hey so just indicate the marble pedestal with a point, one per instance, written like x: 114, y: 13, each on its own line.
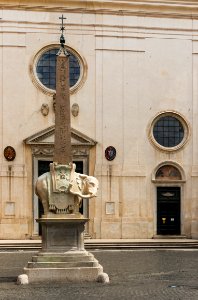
x: 60, y: 234
x: 63, y: 257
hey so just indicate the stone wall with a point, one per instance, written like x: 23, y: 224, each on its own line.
x: 138, y: 62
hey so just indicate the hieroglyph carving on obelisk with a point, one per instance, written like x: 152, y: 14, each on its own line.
x: 62, y: 145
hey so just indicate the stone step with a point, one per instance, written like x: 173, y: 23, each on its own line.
x: 80, y: 253
x: 48, y: 264
x: 58, y: 275
x: 172, y: 237
x: 143, y: 246
x: 91, y: 244
x: 62, y: 258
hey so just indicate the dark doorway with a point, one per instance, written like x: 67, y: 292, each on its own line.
x: 168, y: 210
x: 43, y: 167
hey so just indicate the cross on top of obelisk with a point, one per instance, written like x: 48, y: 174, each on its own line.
x: 62, y: 38
x: 62, y: 19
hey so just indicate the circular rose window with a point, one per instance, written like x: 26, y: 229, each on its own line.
x: 46, y: 68
x: 169, y: 131
x: 43, y: 69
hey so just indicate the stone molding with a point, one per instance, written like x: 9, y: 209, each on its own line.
x: 125, y: 30
x: 42, y: 147
x: 42, y: 150
x: 164, y: 8
x: 13, y: 170
x: 40, y: 137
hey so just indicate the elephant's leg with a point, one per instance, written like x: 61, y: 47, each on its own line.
x: 42, y: 192
x: 76, y: 204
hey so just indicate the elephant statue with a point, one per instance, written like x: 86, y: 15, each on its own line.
x: 61, y: 190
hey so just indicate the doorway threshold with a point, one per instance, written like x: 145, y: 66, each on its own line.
x: 167, y: 236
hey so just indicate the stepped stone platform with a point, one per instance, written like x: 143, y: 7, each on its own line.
x: 62, y: 267
x: 62, y: 257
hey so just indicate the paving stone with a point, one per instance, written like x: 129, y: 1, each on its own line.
x: 134, y: 275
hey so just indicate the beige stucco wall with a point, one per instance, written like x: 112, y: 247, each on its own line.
x: 137, y: 67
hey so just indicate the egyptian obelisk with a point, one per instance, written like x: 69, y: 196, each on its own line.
x: 62, y: 144
x: 63, y: 257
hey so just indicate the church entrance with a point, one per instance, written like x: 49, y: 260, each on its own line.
x: 168, y: 210
x: 42, y: 147
x: 43, y: 167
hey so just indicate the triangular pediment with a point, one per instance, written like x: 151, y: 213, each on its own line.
x: 46, y: 137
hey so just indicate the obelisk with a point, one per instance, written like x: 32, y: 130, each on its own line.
x: 63, y: 257
x: 62, y: 144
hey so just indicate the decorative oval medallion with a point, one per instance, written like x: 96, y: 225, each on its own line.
x: 9, y: 153
x: 110, y: 153
x: 45, y: 109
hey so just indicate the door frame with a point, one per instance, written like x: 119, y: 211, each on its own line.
x: 169, y: 184
x: 168, y: 187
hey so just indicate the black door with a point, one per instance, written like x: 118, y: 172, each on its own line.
x: 168, y: 210
x: 43, y: 167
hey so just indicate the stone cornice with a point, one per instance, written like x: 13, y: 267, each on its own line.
x: 78, y: 137
x: 164, y: 8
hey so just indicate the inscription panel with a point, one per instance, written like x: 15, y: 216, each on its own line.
x: 63, y: 236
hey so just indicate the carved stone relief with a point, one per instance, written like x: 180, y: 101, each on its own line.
x: 45, y: 109
x: 75, y: 110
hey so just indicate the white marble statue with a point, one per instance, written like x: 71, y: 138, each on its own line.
x: 62, y: 189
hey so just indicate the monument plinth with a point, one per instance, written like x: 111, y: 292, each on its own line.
x: 63, y: 257
x: 62, y: 234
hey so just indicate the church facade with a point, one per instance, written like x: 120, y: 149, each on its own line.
x: 134, y: 112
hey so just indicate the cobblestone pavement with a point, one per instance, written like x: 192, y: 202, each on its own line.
x: 136, y: 275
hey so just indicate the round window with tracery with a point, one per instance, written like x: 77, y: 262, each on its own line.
x: 46, y: 68
x: 169, y: 131
x: 43, y: 69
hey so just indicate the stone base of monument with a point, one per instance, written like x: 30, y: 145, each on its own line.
x: 63, y: 257
x: 60, y: 233
x: 68, y: 267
